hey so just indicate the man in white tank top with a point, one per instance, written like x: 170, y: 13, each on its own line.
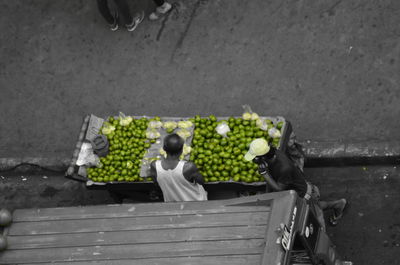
x: 179, y: 180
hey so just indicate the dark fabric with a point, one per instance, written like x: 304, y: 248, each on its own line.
x: 159, y: 2
x: 123, y: 10
x: 295, y: 151
x: 318, y: 213
x: 283, y: 170
x: 105, y: 11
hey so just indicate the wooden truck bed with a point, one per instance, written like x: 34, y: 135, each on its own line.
x: 237, y: 231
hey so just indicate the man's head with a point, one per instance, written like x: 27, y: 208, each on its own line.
x: 259, y: 148
x: 173, y: 144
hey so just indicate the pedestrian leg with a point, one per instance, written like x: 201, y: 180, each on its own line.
x: 337, y: 204
x: 123, y: 9
x: 338, y: 207
x: 105, y: 11
x: 131, y: 23
x: 319, y: 214
x: 159, y: 2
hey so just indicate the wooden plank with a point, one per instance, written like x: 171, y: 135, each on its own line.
x: 207, y: 260
x: 135, y: 237
x: 143, y: 251
x: 138, y: 223
x: 282, y: 212
x: 132, y: 211
x: 146, y: 209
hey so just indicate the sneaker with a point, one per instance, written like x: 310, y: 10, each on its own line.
x: 114, y: 26
x: 136, y: 21
x: 161, y: 10
x: 165, y: 8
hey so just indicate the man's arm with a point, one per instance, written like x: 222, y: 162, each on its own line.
x: 192, y: 174
x: 276, y: 186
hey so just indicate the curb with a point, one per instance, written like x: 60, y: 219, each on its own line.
x: 318, y: 154
x: 27, y: 164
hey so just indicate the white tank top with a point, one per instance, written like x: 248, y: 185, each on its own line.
x: 176, y: 187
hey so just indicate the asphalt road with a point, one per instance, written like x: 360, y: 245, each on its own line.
x: 368, y: 234
x: 330, y: 67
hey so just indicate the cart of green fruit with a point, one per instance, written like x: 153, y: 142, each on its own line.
x: 215, y: 144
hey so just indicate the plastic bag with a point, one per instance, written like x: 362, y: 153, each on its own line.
x: 162, y: 152
x: 87, y: 157
x: 223, y: 128
x: 185, y: 124
x: 274, y: 133
x: 169, y: 126
x: 262, y: 124
x: 124, y: 120
x: 186, y: 150
x: 184, y: 133
x: 155, y: 124
x: 248, y: 114
x: 152, y: 134
x: 107, y: 128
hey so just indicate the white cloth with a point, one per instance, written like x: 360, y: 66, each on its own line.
x: 176, y: 187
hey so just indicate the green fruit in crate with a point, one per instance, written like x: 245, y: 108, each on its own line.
x: 222, y: 158
x: 127, y: 148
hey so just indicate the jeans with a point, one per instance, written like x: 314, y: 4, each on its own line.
x: 159, y: 2
x: 123, y: 10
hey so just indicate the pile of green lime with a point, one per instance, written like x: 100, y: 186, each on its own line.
x: 221, y: 158
x: 128, y: 144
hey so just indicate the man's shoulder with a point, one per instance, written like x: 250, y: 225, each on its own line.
x: 284, y: 159
x: 283, y: 164
x: 284, y: 168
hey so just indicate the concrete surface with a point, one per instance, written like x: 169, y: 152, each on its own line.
x: 331, y: 67
x: 368, y: 234
x: 346, y: 154
x: 317, y: 154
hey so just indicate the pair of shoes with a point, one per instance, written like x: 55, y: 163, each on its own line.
x: 160, y: 11
x: 136, y: 21
x: 336, y: 216
x: 114, y: 25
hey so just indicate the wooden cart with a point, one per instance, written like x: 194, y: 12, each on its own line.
x: 140, y: 190
x: 274, y: 228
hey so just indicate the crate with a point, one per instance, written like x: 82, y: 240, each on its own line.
x: 91, y: 125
